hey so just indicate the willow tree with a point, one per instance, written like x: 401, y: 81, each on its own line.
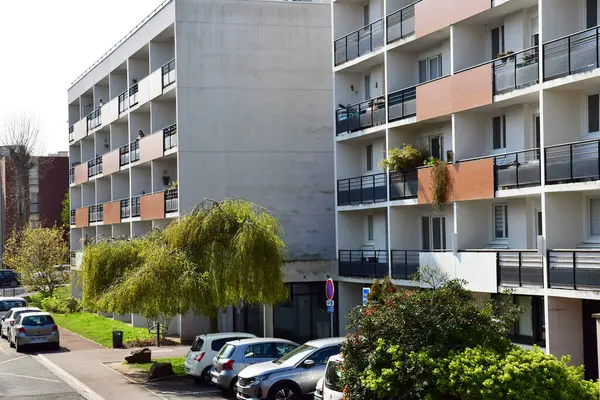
x: 219, y: 254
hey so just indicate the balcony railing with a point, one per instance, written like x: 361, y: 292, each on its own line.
x: 124, y: 155
x: 123, y: 101
x: 362, y: 190
x: 171, y: 200
x: 94, y: 119
x: 516, y: 71
x: 134, y: 151
x: 170, y: 137
x: 405, y: 264
x: 168, y: 74
x: 359, y: 42
x: 401, y: 23
x: 133, y: 95
x: 71, y: 175
x: 95, y: 166
x: 573, y: 162
x: 135, y: 206
x: 517, y: 169
x: 363, y: 263
x: 73, y: 217
x: 96, y: 213
x: 360, y: 116
x: 571, y: 54
x: 520, y: 268
x: 71, y: 131
x: 574, y: 269
x: 404, y: 185
x: 125, y: 208
x: 402, y: 104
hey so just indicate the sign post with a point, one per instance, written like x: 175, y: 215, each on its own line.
x: 329, y: 292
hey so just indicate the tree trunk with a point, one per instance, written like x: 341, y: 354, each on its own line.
x: 214, y: 322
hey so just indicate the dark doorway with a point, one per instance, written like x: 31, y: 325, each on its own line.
x: 590, y: 349
x: 249, y: 319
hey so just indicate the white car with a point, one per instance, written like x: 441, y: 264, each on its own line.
x: 199, y: 359
x: 319, y: 390
x: 331, y: 381
x: 6, y: 303
x: 9, y: 319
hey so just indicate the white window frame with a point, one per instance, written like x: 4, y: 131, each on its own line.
x: 503, y: 138
x: 443, y: 233
x: 427, y: 62
x: 370, y: 229
x: 505, y: 231
x: 366, y: 155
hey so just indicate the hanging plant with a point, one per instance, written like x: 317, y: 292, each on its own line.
x: 439, y: 184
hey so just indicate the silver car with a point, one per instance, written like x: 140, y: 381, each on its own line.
x: 9, y: 319
x: 34, y: 328
x: 239, y: 354
x: 290, y: 377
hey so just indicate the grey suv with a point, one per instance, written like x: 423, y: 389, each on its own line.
x: 290, y: 377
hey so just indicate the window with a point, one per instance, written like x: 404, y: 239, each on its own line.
x: 217, y: 344
x: 197, y: 345
x: 430, y: 68
x: 369, y: 158
x: 322, y: 356
x: 593, y: 113
x: 499, y: 132
x: 500, y: 221
x: 367, y: 87
x: 332, y: 377
x: 37, y: 320
x: 530, y: 328
x: 540, y: 223
x: 370, y: 229
x: 366, y: 15
x: 34, y: 208
x: 6, y: 305
x: 591, y: 13
x: 433, y: 233
x: 497, y: 41
x: 595, y: 217
x: 436, y: 147
x: 260, y: 350
x: 226, y: 351
x: 536, y: 132
x: 33, y: 176
x: 283, y: 348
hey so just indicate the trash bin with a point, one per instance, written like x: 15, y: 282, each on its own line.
x: 117, y: 339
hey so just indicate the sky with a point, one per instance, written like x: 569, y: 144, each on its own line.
x: 46, y: 44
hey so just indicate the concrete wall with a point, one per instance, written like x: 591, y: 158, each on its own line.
x: 269, y: 62
x: 562, y: 116
x: 561, y: 18
x: 470, y: 45
x: 350, y: 296
x: 565, y: 328
x: 565, y: 226
x: 353, y: 232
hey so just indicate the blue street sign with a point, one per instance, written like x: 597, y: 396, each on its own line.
x: 330, y: 309
x: 366, y: 292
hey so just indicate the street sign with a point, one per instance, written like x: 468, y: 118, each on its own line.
x: 366, y: 292
x: 329, y: 303
x: 329, y: 289
x: 330, y: 310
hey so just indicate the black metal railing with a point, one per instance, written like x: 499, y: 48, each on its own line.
x: 574, y: 269
x: 134, y: 151
x: 363, y: 115
x: 133, y: 95
x: 517, y: 169
x: 171, y: 200
x: 135, y: 206
x: 520, y: 268
x: 71, y: 131
x: 170, y: 137
x: 363, y: 263
x: 404, y: 185
x: 73, y: 217
x: 71, y: 175
x: 362, y: 190
x: 516, y: 71
x: 124, y: 155
x: 405, y: 264
x: 94, y: 119
x: 402, y: 104
x: 573, y: 162
x: 96, y: 213
x: 571, y: 54
x: 168, y: 74
x: 125, y: 208
x: 123, y: 101
x: 401, y: 24
x: 359, y: 42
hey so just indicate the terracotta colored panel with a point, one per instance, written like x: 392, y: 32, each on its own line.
x: 110, y: 162
x: 432, y: 15
x: 469, y: 180
x: 434, y: 99
x: 472, y: 88
x: 151, y: 147
x: 112, y: 213
x: 464, y: 9
x: 81, y: 173
x: 82, y: 217
x: 152, y: 206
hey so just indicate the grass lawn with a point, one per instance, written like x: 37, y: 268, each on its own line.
x: 97, y: 328
x: 177, y: 363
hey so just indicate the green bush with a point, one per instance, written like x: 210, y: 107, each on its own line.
x: 61, y: 303
x: 35, y: 300
x: 408, y: 157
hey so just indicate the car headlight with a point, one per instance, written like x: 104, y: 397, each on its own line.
x: 261, y: 378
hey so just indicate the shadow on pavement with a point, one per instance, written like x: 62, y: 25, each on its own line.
x: 182, y: 387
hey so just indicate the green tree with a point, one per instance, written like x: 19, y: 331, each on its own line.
x: 65, y: 213
x: 37, y: 255
x: 216, y: 256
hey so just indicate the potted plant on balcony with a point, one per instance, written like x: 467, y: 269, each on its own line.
x: 173, y: 185
x: 408, y: 157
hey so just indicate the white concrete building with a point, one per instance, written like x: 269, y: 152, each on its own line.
x: 213, y: 99
x: 507, y: 92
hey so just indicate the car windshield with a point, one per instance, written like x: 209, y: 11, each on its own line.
x: 6, y: 305
x: 332, y: 376
x: 295, y: 355
x: 226, y: 351
x: 37, y: 320
x: 197, y: 345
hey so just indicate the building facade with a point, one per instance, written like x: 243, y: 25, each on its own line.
x: 210, y: 99
x: 506, y: 92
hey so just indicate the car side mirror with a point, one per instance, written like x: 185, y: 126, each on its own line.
x: 308, y: 363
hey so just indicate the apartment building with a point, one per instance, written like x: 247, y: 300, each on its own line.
x: 506, y: 92
x: 213, y: 99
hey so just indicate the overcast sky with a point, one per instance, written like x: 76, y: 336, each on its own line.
x: 45, y: 45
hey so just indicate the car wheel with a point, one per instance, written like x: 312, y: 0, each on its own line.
x: 56, y: 346
x: 10, y: 343
x: 205, y: 378
x: 285, y: 392
x: 232, y: 387
x: 18, y: 348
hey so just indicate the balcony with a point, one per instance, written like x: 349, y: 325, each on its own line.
x: 94, y: 119
x: 402, y: 104
x: 405, y: 264
x: 170, y: 137
x: 124, y: 155
x: 573, y: 162
x: 363, y: 263
x: 362, y: 190
x: 73, y: 217
x: 171, y: 201
x: 135, y: 207
x: 404, y: 185
x: 571, y: 54
x: 123, y: 102
x: 401, y: 24
x: 125, y: 208
x: 169, y: 74
x: 517, y: 169
x: 574, y: 269
x: 516, y: 71
x: 71, y: 175
x: 152, y: 206
x: 363, y: 115
x: 95, y: 166
x: 520, y: 268
x: 96, y: 213
x: 71, y: 133
x: 359, y: 42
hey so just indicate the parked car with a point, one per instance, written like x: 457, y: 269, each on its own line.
x: 238, y: 354
x: 319, y: 390
x: 34, y: 328
x: 290, y: 377
x: 8, y: 278
x: 6, y: 303
x: 331, y: 388
x: 198, y: 360
x: 9, y: 319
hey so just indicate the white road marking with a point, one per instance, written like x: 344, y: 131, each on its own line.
x: 11, y: 360
x: 69, y: 379
x: 4, y: 351
x: 30, y: 377
x: 137, y: 383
